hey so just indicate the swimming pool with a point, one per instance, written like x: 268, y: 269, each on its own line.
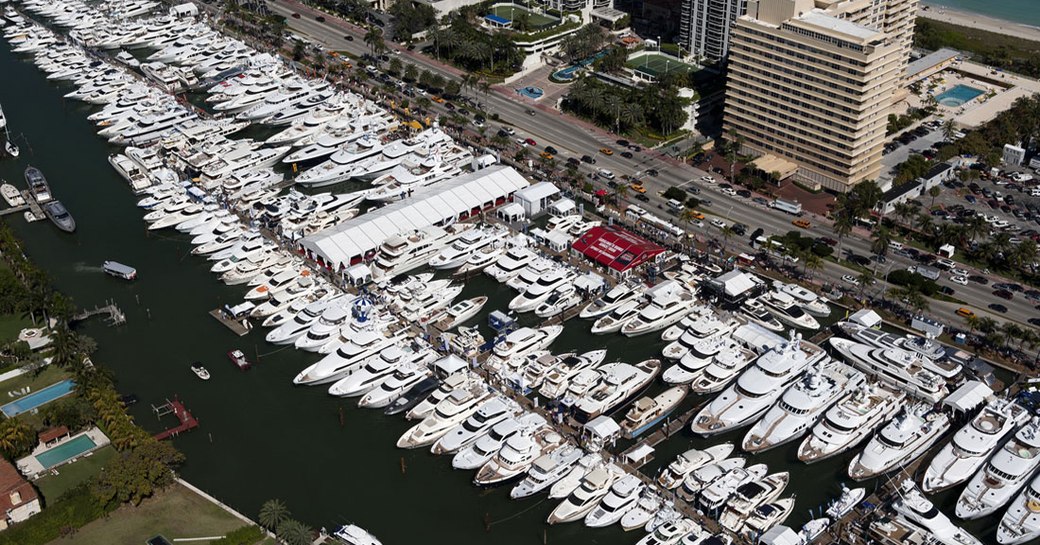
x: 65, y: 451
x: 34, y: 400
x: 958, y: 95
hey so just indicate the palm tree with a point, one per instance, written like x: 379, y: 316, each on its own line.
x: 975, y: 226
x: 14, y: 436
x: 811, y: 261
x: 273, y: 513
x: 726, y: 233
x: 934, y: 192
x: 882, y: 238
x: 865, y: 279
x: 612, y: 106
x: 925, y: 224
x: 1010, y: 330
x: 687, y: 216
x: 374, y: 40
x: 843, y: 223
x: 294, y: 532
x: 905, y: 211
x: 1023, y: 254
x: 631, y: 114
x: 620, y: 193
x: 948, y: 130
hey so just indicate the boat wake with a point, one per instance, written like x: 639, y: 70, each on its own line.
x: 83, y: 267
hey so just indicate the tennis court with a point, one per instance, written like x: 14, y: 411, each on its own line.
x: 535, y: 21
x: 655, y: 65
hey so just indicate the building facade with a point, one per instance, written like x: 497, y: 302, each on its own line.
x: 18, y: 498
x: 814, y: 81
x: 704, y: 27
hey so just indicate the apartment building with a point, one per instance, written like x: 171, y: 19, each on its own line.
x: 704, y: 27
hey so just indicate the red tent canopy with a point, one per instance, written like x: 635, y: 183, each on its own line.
x: 616, y: 248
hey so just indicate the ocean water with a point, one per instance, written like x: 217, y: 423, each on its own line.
x: 1023, y: 12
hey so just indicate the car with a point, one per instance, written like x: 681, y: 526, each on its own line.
x: 706, y: 202
x: 606, y: 173
x: 959, y: 280
x: 641, y: 197
x: 348, y: 38
x: 606, y: 151
x: 1034, y: 321
x: 478, y: 122
x: 296, y: 16
x: 850, y: 279
x: 1033, y: 295
x: 959, y: 272
x: 978, y: 279
x: 739, y: 229
x: 744, y: 193
x: 1004, y: 294
x: 623, y: 143
x: 509, y: 130
x: 725, y: 186
x: 828, y: 241
x: 761, y: 200
x: 708, y: 179
x: 573, y: 161
x: 637, y: 187
x: 729, y: 191
x: 718, y: 223
x: 693, y: 190
x: 965, y: 312
x: 546, y: 155
x: 696, y: 215
x: 588, y: 159
x: 626, y: 154
x: 946, y: 290
x: 757, y: 233
x: 320, y: 18
x: 635, y: 148
x: 652, y: 172
x: 530, y: 112
x: 997, y: 307
x: 552, y: 150
x: 804, y: 224
x: 530, y: 142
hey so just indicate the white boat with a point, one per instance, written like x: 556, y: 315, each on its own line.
x: 377, y: 369
x: 703, y: 335
x: 810, y: 301
x: 546, y: 470
x: 292, y: 328
x: 455, y: 381
x: 755, y: 311
x: 648, y: 504
x: 748, y: 496
x: 355, y: 535
x: 491, y: 412
x: 933, y: 353
x: 900, y: 368
x: 486, y: 446
x: 647, y: 412
x: 703, y: 476
x: 1003, y: 475
x: 850, y: 421
x: 556, y: 380
x: 673, y: 475
x: 973, y: 444
x: 620, y: 382
x: 511, y: 263
x: 470, y: 242
x: 615, y: 297
x: 340, y: 166
x: 911, y: 504
x: 712, y: 498
x: 450, y: 412
x: 674, y: 531
x: 899, y: 442
x: 766, y: 516
x: 402, y: 379
x: 622, y: 497
x: 461, y: 312
x: 523, y: 341
x: 1021, y: 522
x: 200, y: 371
x: 813, y: 529
x: 560, y: 300
x: 516, y: 456
x: 617, y: 318
x: 593, y: 488
x: 787, y: 310
x: 401, y: 253
x: 572, y: 480
x: 346, y: 359
x: 669, y: 303
x: 540, y: 290
x: 12, y: 195
x: 725, y: 366
x: 802, y: 405
x: 758, y: 387
x: 849, y: 499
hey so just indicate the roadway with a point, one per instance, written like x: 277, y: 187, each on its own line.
x: 574, y: 138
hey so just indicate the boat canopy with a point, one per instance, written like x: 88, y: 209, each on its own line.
x: 970, y: 395
x: 449, y: 365
x: 600, y: 430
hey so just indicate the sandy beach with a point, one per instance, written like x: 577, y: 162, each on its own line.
x: 968, y: 19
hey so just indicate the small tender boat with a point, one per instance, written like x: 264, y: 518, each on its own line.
x: 352, y: 534
x: 11, y: 149
x: 200, y: 371
x: 59, y: 215
x: 119, y: 270
x: 850, y: 498
x: 11, y: 194
x: 238, y: 358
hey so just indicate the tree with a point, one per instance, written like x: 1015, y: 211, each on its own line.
x: 138, y: 473
x: 811, y: 261
x: 948, y: 130
x: 16, y: 438
x: 934, y: 192
x: 843, y: 223
x: 411, y: 73
x: 425, y: 79
x: 1011, y: 331
x: 726, y: 232
x: 452, y: 88
x: 395, y: 66
x: 438, y: 82
x: 374, y: 40
x: 294, y: 532
x: 273, y: 513
x: 905, y: 211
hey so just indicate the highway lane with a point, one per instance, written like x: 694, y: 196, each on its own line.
x: 575, y: 138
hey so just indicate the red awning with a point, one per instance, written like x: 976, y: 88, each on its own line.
x: 616, y: 248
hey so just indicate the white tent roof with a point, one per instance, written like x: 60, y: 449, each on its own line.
x: 537, y: 192
x: 780, y: 535
x: 603, y: 427
x: 640, y: 453
x: 563, y: 205
x: 970, y: 395
x: 735, y: 282
x: 450, y: 364
x: 865, y: 317
x: 359, y: 272
x: 589, y: 281
x: 512, y: 209
x: 427, y: 206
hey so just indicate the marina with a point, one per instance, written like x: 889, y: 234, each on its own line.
x: 370, y: 330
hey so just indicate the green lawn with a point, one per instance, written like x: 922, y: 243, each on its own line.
x: 70, y: 475
x: 657, y: 64
x: 11, y: 324
x: 47, y: 376
x: 536, y: 21
x: 176, y: 513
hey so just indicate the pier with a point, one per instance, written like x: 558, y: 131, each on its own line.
x: 175, y: 407
x: 115, y: 316
x: 240, y: 327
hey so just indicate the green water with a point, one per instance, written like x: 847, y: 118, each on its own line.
x: 65, y: 451
x: 260, y: 437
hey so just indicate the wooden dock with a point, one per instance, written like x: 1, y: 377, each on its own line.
x: 187, y: 421
x: 115, y: 315
x: 240, y: 327
x: 672, y: 426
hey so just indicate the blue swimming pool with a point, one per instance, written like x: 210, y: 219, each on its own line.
x: 36, y: 399
x: 957, y: 95
x: 531, y: 92
x: 65, y: 451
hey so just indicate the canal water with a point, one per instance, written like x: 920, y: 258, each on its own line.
x: 260, y: 437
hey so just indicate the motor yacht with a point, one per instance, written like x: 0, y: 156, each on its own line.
x: 666, y: 514
x: 449, y: 412
x: 712, y: 498
x: 521, y: 342
x: 802, y: 405
x: 352, y: 534
x: 623, y: 495
x: 846, y: 502
x: 455, y: 381
x: 466, y: 245
x: 304, y: 288
x: 560, y: 301
x: 491, y: 412
x: 932, y: 352
x: 898, y: 367
x: 911, y: 504
x: 674, y: 531
x: 810, y: 301
x: 648, y: 504
x: 849, y: 421
x: 693, y: 357
x: 402, y: 380
x: 766, y: 516
x: 1021, y: 522
x: 673, y: 475
x: 620, y: 382
x: 757, y: 312
x: 299, y: 317
x: 973, y: 444
x: 573, y: 479
x: 418, y: 171
x: 904, y: 439
x: 377, y: 369
x: 647, y: 412
x: 348, y: 358
x: 669, y: 303
x: 725, y: 366
x: 1003, y: 475
x: 612, y: 299
x: 401, y: 253
x: 758, y: 387
x: 617, y: 318
x: 542, y: 289
x: 702, y: 330
x: 557, y: 379
x: 279, y: 283
x: 703, y: 476
x: 749, y: 496
x: 546, y: 470
x: 511, y: 263
x: 516, y: 456
x: 593, y: 488
x: 478, y: 453
x: 531, y: 273
x: 459, y: 313
x: 340, y: 166
x: 787, y: 310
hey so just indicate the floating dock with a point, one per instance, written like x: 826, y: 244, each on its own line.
x: 240, y: 327
x: 187, y: 421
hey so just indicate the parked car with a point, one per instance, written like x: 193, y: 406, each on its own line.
x: 588, y: 159
x: 997, y: 307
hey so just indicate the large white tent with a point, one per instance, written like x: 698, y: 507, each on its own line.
x: 441, y: 204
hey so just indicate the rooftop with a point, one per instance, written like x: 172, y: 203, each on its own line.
x: 820, y: 19
x: 616, y: 248
x: 930, y: 60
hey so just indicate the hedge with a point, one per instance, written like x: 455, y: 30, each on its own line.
x: 74, y: 509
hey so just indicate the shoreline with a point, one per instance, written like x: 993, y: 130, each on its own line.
x: 979, y: 21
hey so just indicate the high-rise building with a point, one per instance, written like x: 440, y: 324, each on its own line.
x: 813, y: 82
x: 705, y: 25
